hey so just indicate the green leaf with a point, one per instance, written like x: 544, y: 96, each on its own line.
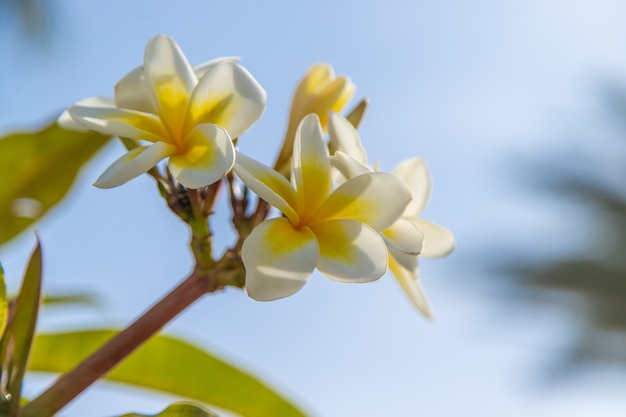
x: 77, y: 298
x: 23, y: 327
x: 169, y: 365
x: 178, y: 410
x: 37, y: 170
x: 3, y: 304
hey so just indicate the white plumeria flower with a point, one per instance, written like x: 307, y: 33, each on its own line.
x: 186, y: 114
x: 335, y: 231
x: 351, y: 160
x: 131, y: 92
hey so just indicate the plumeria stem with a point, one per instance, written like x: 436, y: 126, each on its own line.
x: 71, y: 384
x: 208, y: 276
x: 260, y: 213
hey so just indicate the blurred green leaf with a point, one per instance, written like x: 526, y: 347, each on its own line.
x: 78, y: 298
x: 37, y: 170
x: 35, y: 17
x: 169, y: 365
x: 178, y: 410
x: 3, y: 304
x: 23, y: 327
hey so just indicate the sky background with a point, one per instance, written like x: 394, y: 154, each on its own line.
x: 473, y: 87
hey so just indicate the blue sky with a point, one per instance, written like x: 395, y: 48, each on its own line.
x: 470, y: 86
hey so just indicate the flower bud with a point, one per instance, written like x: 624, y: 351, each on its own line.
x: 319, y: 92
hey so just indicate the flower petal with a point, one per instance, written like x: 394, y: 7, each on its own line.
x: 204, y: 67
x: 414, y: 173
x: 406, y: 260
x: 133, y: 164
x: 350, y: 251
x: 375, y: 198
x: 345, y: 138
x: 316, y: 76
x: 209, y: 155
x: 311, y: 166
x: 412, y: 286
x: 66, y: 121
x: 315, y: 94
x: 119, y: 122
x: 131, y: 92
x: 348, y: 166
x: 332, y: 96
x: 438, y: 241
x: 268, y: 184
x: 227, y: 95
x: 278, y: 259
x: 404, y: 236
x: 171, y: 80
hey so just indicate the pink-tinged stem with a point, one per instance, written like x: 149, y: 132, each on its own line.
x: 71, y: 384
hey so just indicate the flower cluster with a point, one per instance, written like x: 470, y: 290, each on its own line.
x: 336, y: 231
x: 340, y: 216
x: 187, y: 114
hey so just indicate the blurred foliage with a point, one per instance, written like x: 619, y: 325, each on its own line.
x: 34, y: 17
x: 37, y: 170
x: 168, y: 365
x: 179, y: 410
x: 18, y: 333
x: 3, y: 303
x: 588, y: 284
x: 73, y: 298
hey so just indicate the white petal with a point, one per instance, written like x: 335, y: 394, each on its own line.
x: 66, y: 121
x: 414, y: 173
x: 120, y: 122
x: 438, y: 241
x: 170, y: 79
x: 412, y: 286
x: 405, y: 236
x: 331, y: 96
x: 133, y: 164
x: 317, y: 75
x: 131, y: 92
x: 311, y: 165
x: 350, y: 251
x: 375, y: 198
x: 201, y: 69
x: 348, y: 166
x: 227, y: 95
x: 209, y: 155
x: 278, y: 259
x: 268, y: 184
x: 345, y: 138
x: 406, y: 260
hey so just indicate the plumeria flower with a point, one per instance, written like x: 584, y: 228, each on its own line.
x: 187, y: 115
x: 333, y: 230
x: 319, y: 92
x: 131, y: 92
x: 351, y: 160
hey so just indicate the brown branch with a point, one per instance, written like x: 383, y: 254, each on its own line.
x: 69, y: 385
